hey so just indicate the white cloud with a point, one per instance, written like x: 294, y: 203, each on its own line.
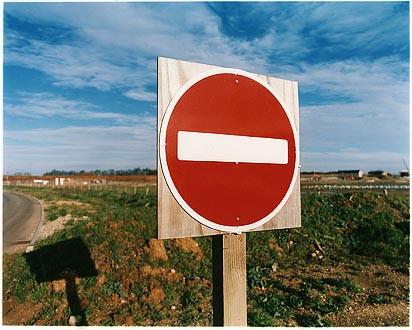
x: 141, y: 95
x: 386, y: 77
x: 44, y: 105
x: 362, y: 103
x: 118, y: 44
x: 70, y: 65
x: 374, y: 117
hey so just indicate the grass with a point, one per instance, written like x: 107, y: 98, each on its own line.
x: 288, y: 283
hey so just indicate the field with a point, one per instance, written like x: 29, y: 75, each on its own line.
x: 347, y: 266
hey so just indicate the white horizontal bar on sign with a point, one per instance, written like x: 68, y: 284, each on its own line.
x: 211, y: 147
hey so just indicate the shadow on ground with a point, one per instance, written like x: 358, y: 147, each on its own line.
x: 67, y: 260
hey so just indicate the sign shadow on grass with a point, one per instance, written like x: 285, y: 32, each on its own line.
x: 67, y: 260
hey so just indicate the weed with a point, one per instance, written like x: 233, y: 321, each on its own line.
x: 379, y: 238
x: 256, y: 277
x: 17, y: 279
x: 258, y: 318
x: 108, y: 322
x: 275, y: 306
x: 111, y: 287
x: 39, y: 292
x: 343, y: 283
x: 375, y: 298
x: 313, y: 320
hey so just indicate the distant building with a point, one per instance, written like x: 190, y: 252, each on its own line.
x: 40, y: 182
x: 59, y: 181
x: 350, y: 174
x: 310, y: 176
x: 378, y: 173
x: 404, y: 173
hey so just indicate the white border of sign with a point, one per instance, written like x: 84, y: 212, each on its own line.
x: 165, y: 168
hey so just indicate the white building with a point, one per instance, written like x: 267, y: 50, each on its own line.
x: 40, y: 182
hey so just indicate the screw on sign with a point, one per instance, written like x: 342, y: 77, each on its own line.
x: 228, y: 150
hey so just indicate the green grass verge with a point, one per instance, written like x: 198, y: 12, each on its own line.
x: 353, y: 229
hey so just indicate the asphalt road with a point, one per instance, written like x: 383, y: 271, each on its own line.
x: 22, y: 215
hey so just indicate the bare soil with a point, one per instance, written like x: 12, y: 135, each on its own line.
x: 74, y: 203
x: 373, y: 316
x: 19, y: 313
x: 375, y: 280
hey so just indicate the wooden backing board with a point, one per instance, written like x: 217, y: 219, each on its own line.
x: 172, y: 220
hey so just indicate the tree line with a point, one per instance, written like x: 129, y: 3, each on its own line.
x: 131, y: 171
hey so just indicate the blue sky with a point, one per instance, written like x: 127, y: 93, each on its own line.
x: 80, y: 79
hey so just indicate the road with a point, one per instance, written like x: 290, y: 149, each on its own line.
x: 22, y: 216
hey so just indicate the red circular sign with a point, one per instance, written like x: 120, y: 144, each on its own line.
x: 228, y: 150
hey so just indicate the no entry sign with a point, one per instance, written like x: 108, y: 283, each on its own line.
x: 228, y: 150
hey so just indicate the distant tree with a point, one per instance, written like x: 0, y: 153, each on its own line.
x: 98, y: 172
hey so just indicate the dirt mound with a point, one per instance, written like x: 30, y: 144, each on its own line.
x: 157, y: 249
x: 156, y: 296
x: 163, y: 273
x: 188, y: 244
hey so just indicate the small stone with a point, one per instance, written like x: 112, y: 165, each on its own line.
x: 30, y: 248
x: 75, y: 320
x: 173, y: 307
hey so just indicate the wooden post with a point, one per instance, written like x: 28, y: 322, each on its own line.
x: 229, y: 280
